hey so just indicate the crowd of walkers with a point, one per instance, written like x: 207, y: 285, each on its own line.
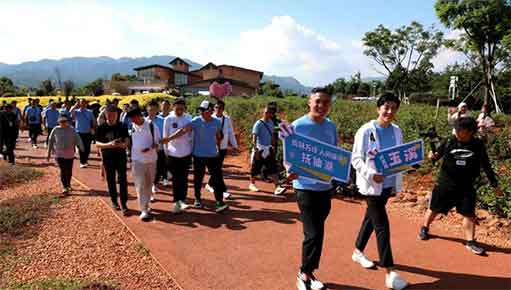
x: 164, y: 143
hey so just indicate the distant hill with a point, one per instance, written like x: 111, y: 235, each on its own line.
x: 288, y: 83
x: 78, y: 69
x: 82, y: 70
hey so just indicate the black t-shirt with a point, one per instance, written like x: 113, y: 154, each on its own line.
x: 9, y: 125
x: 107, y: 133
x: 462, y: 163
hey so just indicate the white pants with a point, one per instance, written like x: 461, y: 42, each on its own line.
x: 143, y: 176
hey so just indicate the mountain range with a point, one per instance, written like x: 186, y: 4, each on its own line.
x: 82, y: 70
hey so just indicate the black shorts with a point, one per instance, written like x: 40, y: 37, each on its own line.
x: 269, y: 163
x: 444, y: 198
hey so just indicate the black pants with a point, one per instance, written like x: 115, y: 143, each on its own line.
x: 161, y: 167
x: 86, y: 139
x: 221, y: 154
x: 180, y: 167
x: 115, y: 166
x: 10, y: 145
x: 66, y: 171
x: 34, y: 130
x: 48, y: 132
x: 314, y: 209
x: 376, y: 220
x: 215, y: 172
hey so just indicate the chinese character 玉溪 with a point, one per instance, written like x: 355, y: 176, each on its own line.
x: 395, y: 159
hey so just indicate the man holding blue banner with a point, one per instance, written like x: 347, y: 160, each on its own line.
x: 313, y: 195
x: 370, y: 139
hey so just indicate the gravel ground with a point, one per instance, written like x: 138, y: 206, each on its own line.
x: 80, y: 239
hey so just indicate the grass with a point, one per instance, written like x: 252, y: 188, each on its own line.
x: 13, y: 174
x: 63, y: 284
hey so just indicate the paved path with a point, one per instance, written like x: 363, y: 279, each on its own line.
x: 256, y: 244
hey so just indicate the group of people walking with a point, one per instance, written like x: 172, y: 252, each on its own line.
x: 165, y: 145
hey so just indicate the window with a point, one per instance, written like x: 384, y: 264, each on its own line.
x: 147, y: 74
x: 180, y: 79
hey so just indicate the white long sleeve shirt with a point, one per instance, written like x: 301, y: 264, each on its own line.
x: 228, y: 130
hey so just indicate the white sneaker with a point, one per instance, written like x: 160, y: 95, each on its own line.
x: 252, y: 187
x: 166, y: 182
x: 209, y: 188
x: 394, y: 281
x: 177, y: 208
x: 169, y: 176
x: 360, y: 258
x: 227, y: 195
x: 83, y: 165
x: 279, y: 190
x: 144, y: 215
x: 154, y: 190
x: 183, y: 205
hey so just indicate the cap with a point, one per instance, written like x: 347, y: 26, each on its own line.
x: 461, y: 105
x: 205, y: 106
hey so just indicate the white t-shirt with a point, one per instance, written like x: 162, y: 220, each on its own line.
x: 142, y: 139
x: 227, y: 129
x: 181, y: 146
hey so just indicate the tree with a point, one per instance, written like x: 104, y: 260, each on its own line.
x: 486, y: 38
x: 6, y: 86
x: 338, y: 87
x: 47, y: 87
x: 401, y: 51
x: 95, y: 88
x: 121, y: 77
x: 68, y: 87
x: 270, y: 88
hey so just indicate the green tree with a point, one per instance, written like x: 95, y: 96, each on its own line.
x: 270, y: 88
x: 403, y: 50
x: 47, y: 87
x: 68, y: 87
x: 121, y: 77
x: 338, y: 87
x: 94, y: 88
x: 6, y: 86
x: 486, y: 27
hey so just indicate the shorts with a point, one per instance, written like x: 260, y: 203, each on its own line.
x: 269, y: 163
x: 444, y: 198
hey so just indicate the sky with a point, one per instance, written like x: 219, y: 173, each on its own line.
x: 314, y: 41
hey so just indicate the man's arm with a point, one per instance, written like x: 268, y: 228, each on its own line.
x: 180, y: 132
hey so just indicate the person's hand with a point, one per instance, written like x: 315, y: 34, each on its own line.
x: 292, y: 176
x: 378, y: 178
x: 285, y: 130
x: 453, y: 110
x: 433, y: 156
x: 499, y: 192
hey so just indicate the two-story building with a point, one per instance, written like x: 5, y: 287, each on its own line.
x: 157, y: 78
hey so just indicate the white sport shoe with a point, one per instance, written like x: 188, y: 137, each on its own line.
x: 316, y: 284
x: 227, y: 195
x: 394, y: 281
x: 279, y: 190
x: 83, y: 165
x: 154, y: 189
x: 177, y: 208
x: 209, y: 188
x: 166, y: 182
x: 183, y: 205
x: 169, y: 176
x: 360, y: 258
x: 253, y: 188
x: 144, y: 216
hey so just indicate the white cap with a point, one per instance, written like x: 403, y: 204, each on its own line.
x: 462, y: 104
x: 205, y: 105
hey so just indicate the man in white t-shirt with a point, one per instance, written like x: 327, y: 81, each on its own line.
x: 179, y: 152
x: 145, y: 141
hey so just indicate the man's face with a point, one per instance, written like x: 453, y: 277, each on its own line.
x: 83, y: 104
x: 53, y: 106
x: 206, y: 114
x: 111, y: 117
x: 267, y: 114
x: 179, y: 109
x: 126, y: 107
x: 219, y: 109
x: 320, y: 104
x: 137, y: 119
x: 387, y: 112
x: 165, y: 107
x: 463, y: 135
x: 463, y: 110
x: 152, y: 111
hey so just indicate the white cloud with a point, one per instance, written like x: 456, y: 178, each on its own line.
x: 286, y: 47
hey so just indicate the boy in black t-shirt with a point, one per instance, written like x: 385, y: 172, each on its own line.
x: 112, y: 138
x: 463, y: 157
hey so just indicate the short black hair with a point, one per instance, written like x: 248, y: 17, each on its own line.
x: 133, y: 111
x: 152, y: 103
x: 134, y: 102
x: 468, y: 123
x: 180, y: 101
x: 388, y: 97
x: 321, y: 90
x: 220, y: 103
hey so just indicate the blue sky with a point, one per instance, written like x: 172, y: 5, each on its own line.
x: 315, y: 41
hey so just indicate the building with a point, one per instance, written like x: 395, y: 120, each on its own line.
x: 178, y: 76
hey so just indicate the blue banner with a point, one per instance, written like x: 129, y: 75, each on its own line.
x: 401, y: 158
x: 312, y: 159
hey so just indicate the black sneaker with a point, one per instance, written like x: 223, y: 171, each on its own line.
x: 198, y: 204
x: 220, y: 207
x: 424, y: 233
x: 124, y: 210
x: 474, y: 248
x: 115, y: 206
